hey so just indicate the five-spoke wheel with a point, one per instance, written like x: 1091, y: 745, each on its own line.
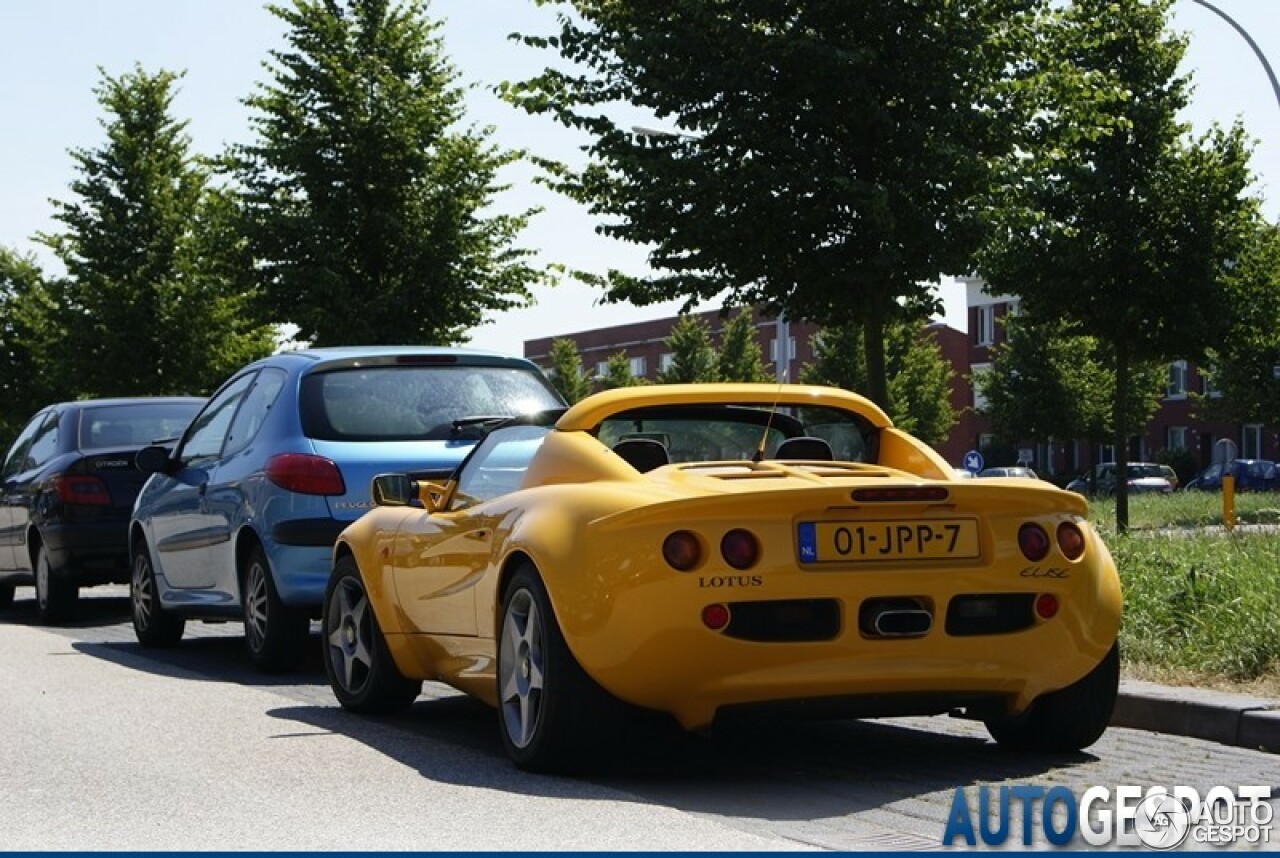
x: 153, y: 625
x: 275, y: 634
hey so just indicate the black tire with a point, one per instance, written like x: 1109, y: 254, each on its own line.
x: 1067, y: 720
x: 275, y: 634
x: 551, y: 715
x: 152, y: 624
x: 361, y: 671
x: 56, y: 598
x: 6, y: 596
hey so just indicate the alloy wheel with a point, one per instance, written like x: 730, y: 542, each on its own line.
x: 256, y: 613
x: 350, y: 640
x: 143, y: 591
x: 521, y: 664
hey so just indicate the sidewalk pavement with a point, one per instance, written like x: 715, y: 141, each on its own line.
x: 1219, y: 716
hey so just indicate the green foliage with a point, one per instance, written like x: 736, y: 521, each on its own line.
x: 1242, y: 363
x: 367, y: 208
x: 1047, y: 382
x: 831, y: 156
x: 153, y: 301
x: 740, y: 358
x: 26, y: 338
x: 567, y: 375
x: 617, y: 372
x: 1111, y: 217
x: 1183, y: 463
x: 919, y: 377
x: 692, y: 358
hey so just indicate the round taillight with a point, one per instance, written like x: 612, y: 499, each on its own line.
x: 1070, y: 540
x: 1046, y: 606
x: 740, y: 549
x: 682, y: 550
x: 715, y: 617
x: 1033, y: 541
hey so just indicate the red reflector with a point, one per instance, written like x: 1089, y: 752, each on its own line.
x: 1070, y: 540
x: 682, y: 550
x: 1033, y: 541
x: 1046, y: 606
x: 740, y: 549
x: 81, y: 489
x: 305, y: 474
x: 715, y: 617
x: 917, y: 494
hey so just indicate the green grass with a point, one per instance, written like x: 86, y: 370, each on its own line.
x: 1201, y: 604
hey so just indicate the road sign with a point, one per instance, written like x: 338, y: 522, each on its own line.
x: 973, y: 461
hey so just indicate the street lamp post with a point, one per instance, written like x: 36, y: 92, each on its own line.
x: 1275, y: 85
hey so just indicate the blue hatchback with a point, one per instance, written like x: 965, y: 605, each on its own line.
x: 239, y: 519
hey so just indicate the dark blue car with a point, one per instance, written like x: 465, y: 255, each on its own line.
x: 239, y: 520
x: 1251, y: 475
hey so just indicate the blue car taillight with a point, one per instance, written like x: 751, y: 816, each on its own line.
x: 305, y: 474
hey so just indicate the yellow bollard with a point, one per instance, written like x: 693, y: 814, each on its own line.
x: 1228, y: 501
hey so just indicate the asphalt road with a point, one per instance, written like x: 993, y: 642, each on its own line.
x: 108, y: 746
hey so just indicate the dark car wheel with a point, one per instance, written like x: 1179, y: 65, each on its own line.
x: 552, y: 716
x: 361, y: 671
x: 1066, y: 720
x: 6, y: 596
x: 152, y: 624
x: 275, y: 634
x: 55, y: 598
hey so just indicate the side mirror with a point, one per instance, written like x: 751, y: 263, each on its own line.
x: 153, y: 460
x: 393, y: 490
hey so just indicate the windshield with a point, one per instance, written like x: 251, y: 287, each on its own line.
x: 701, y: 433
x: 406, y: 403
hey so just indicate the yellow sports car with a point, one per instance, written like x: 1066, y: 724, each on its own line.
x: 700, y: 549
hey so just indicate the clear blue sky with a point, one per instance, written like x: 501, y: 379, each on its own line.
x: 50, y: 51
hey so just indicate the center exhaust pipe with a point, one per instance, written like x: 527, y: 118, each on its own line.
x: 894, y: 618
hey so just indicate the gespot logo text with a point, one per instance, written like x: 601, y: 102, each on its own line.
x: 1157, y: 817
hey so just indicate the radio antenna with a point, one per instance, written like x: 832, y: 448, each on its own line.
x: 764, y: 437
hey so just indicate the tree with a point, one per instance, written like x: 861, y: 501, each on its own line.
x: 831, y: 157
x: 1242, y: 364
x: 148, y: 304
x: 1047, y: 382
x: 26, y: 340
x: 740, y: 358
x: 692, y: 357
x: 365, y: 204
x: 1114, y: 219
x: 919, y: 377
x: 567, y: 375
x: 617, y: 372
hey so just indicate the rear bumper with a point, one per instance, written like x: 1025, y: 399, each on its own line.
x: 88, y: 553
x: 308, y: 532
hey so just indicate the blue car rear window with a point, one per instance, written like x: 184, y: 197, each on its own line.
x: 415, y: 402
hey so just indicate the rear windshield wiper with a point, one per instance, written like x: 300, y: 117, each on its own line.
x: 482, y: 422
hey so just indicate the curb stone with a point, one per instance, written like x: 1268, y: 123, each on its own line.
x: 1223, y: 717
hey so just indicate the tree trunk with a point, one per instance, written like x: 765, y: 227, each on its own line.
x: 873, y: 349
x: 1120, y: 420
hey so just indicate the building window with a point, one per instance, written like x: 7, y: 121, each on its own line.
x: 976, y: 372
x: 602, y: 369
x: 985, y: 441
x: 1251, y: 441
x: 791, y: 349
x: 1207, y: 385
x: 1013, y: 308
x: 1177, y: 386
x: 638, y: 367
x: 986, y: 333
x: 1176, y: 438
x: 665, y: 361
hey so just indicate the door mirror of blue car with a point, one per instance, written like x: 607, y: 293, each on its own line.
x: 153, y: 460
x: 393, y: 490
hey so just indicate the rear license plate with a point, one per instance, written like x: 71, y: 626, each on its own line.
x: 878, y: 541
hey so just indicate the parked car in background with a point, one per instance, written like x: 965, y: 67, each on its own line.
x: 1250, y: 475
x: 1144, y: 477
x: 693, y: 549
x: 69, y: 484
x: 1021, y: 472
x: 239, y: 519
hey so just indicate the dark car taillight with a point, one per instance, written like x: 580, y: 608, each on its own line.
x: 305, y: 474
x: 81, y: 489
